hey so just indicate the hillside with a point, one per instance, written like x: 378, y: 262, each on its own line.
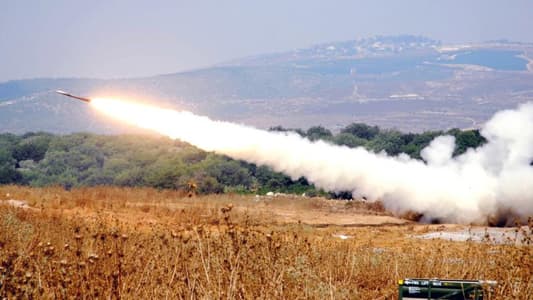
x: 404, y: 82
x: 81, y: 159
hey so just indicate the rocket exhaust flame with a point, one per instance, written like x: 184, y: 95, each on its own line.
x: 489, y: 181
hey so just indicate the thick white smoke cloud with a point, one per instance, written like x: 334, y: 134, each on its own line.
x: 488, y: 181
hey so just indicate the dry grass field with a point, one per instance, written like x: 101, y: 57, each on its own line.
x: 110, y: 242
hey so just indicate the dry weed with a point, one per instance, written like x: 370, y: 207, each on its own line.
x: 142, y: 243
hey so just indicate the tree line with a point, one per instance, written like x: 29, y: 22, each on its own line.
x: 84, y: 159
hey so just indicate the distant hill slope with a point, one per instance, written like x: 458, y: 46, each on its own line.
x: 406, y: 82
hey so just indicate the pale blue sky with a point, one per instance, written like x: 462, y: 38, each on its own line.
x: 129, y: 38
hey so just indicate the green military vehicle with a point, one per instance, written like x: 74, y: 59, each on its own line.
x: 418, y: 288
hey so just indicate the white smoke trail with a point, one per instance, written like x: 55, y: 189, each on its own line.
x: 482, y: 182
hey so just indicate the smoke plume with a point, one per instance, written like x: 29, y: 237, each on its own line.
x: 489, y: 181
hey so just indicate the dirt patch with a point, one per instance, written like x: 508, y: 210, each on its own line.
x: 17, y: 204
x: 512, y: 236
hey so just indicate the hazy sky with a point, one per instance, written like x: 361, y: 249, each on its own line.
x: 105, y: 38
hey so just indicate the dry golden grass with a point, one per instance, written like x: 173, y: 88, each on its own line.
x: 142, y: 243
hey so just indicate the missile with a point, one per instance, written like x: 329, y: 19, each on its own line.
x: 72, y: 96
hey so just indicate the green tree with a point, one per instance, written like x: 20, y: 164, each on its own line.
x: 165, y: 174
x: 283, y: 129
x: 466, y: 139
x: 361, y: 130
x: 347, y: 139
x: 208, y: 184
x: 136, y: 176
x: 389, y: 141
x: 414, y: 143
x: 319, y: 133
x: 32, y: 147
x: 8, y: 172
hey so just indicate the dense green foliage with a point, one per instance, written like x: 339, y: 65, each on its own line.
x: 83, y: 159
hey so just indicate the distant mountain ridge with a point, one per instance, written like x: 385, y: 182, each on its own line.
x: 359, y: 48
x: 406, y: 82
